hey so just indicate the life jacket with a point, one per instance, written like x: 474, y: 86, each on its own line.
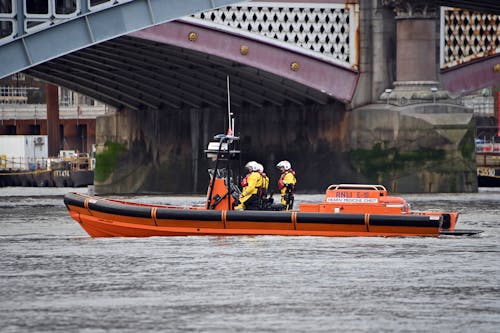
x: 281, y: 183
x: 252, y: 183
x: 265, y: 184
x: 244, y: 181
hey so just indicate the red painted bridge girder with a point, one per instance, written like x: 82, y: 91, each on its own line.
x: 472, y: 75
x: 332, y: 79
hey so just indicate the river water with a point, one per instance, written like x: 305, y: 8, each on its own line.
x: 54, y: 278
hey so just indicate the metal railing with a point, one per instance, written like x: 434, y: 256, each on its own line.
x: 12, y: 163
x: 39, y: 111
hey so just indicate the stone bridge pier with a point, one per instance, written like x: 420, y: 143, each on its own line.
x: 400, y: 129
x: 416, y: 137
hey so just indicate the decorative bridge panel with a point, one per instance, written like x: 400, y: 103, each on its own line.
x: 323, y: 30
x: 467, y: 35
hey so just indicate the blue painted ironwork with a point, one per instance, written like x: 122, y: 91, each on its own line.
x: 46, y: 32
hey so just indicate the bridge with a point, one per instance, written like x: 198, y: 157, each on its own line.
x: 148, y: 56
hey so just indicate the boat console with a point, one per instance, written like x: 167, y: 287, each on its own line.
x: 351, y: 198
x: 222, y: 191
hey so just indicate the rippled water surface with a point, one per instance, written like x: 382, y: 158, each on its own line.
x: 54, y: 278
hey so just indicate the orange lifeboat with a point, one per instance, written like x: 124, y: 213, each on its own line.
x: 102, y: 217
x: 347, y: 210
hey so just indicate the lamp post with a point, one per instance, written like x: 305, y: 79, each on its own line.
x: 434, y: 90
x: 388, y: 92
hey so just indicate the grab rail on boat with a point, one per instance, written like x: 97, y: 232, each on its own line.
x: 357, y: 187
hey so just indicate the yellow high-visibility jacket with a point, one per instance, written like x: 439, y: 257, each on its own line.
x: 288, y: 177
x: 265, y: 182
x: 253, y: 183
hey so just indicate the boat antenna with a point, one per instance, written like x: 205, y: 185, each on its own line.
x: 230, y: 129
x: 230, y: 132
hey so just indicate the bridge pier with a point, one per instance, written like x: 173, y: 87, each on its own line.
x: 414, y: 148
x: 416, y: 63
x: 406, y: 149
x: 416, y: 124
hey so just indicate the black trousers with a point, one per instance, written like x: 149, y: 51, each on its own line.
x: 252, y: 203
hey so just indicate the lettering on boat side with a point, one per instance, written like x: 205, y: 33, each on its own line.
x: 353, y: 197
x: 353, y: 200
x: 350, y: 194
x: 61, y: 173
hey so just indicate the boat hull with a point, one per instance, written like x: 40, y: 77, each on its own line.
x: 47, y: 178
x: 96, y: 227
x: 26, y: 178
x: 489, y: 181
x: 73, y: 178
x: 114, y: 218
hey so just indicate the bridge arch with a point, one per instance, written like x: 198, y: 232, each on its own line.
x: 167, y: 66
x: 144, y: 73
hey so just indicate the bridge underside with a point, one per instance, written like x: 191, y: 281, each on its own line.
x: 140, y: 74
x: 182, y: 65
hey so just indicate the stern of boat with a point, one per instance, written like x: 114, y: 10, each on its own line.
x: 449, y: 219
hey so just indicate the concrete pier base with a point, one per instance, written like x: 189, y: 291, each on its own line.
x: 420, y: 148
x: 415, y: 92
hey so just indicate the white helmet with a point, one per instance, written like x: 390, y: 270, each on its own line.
x: 252, y: 165
x: 260, y: 167
x: 284, y: 164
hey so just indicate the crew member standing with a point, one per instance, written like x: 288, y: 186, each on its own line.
x: 251, y: 184
x: 286, y: 184
x: 265, y: 181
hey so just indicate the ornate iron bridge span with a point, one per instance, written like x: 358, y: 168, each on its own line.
x: 277, y: 52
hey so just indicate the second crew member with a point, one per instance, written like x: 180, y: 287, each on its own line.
x: 251, y: 184
x: 286, y: 184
